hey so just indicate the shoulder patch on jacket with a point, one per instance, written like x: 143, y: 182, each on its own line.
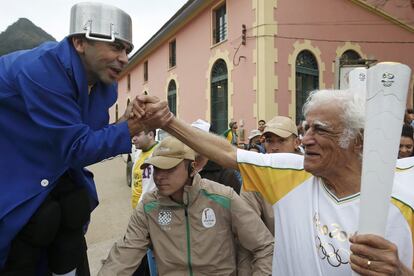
x: 219, y: 199
x: 148, y: 207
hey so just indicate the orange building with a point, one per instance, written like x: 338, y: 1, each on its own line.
x: 254, y: 59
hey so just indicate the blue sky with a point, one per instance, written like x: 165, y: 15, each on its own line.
x: 148, y: 16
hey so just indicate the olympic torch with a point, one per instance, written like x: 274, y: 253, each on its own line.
x: 358, y: 79
x: 386, y: 95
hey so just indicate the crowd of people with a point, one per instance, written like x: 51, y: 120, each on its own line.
x: 285, y: 203
x: 308, y: 202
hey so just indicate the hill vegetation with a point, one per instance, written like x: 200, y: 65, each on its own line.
x: 21, y: 35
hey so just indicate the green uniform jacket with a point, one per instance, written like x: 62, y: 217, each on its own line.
x: 197, y: 237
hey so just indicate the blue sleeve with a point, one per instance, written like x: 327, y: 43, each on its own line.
x: 53, y: 104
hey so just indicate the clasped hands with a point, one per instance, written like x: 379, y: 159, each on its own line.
x: 147, y: 112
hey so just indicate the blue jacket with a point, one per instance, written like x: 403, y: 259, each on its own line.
x: 48, y: 125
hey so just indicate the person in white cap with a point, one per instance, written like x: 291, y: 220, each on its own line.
x: 190, y: 222
x: 316, y: 197
x: 55, y: 98
x: 254, y: 141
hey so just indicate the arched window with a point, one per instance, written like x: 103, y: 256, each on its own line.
x: 350, y: 57
x: 307, y: 79
x: 219, y: 102
x: 172, y: 97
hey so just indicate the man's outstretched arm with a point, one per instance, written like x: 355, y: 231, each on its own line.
x: 212, y: 146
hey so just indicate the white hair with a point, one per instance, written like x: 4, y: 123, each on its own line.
x: 351, y: 110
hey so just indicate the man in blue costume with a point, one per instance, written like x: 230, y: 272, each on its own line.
x: 54, y: 102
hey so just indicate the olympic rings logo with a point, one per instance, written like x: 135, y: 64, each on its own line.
x: 326, y: 250
x: 334, y: 257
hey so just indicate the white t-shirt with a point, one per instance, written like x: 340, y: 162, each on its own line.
x: 312, y: 226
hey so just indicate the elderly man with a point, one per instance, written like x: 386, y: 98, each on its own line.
x: 315, y: 197
x: 191, y: 223
x: 54, y: 102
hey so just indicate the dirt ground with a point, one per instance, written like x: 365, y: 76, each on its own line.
x: 110, y: 218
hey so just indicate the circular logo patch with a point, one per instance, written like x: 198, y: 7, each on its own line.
x: 164, y: 217
x: 208, y: 218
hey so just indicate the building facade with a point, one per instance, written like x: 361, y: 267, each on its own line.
x: 223, y: 60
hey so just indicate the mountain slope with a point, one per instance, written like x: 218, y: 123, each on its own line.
x: 22, y: 34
